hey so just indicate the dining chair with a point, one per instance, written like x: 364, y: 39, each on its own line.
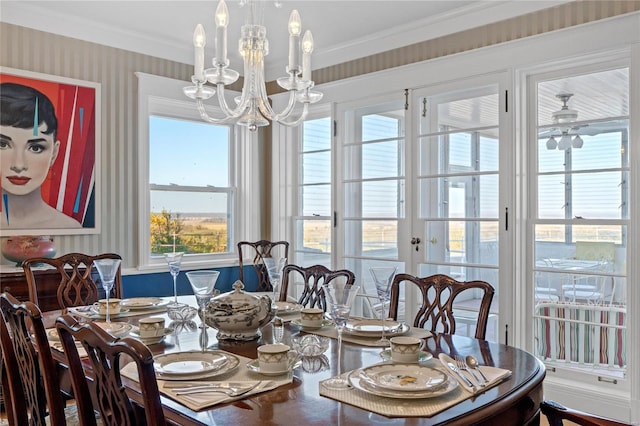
x: 32, y: 383
x: 556, y: 413
x: 105, y: 354
x: 77, y: 284
x: 256, y: 251
x: 311, y: 278
x: 439, y: 293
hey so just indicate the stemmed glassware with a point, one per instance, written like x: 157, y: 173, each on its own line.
x: 382, y: 278
x: 107, y: 269
x: 339, y: 299
x: 174, y: 260
x: 274, y: 266
x: 203, y: 283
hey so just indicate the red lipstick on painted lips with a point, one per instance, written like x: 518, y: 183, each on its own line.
x: 18, y: 180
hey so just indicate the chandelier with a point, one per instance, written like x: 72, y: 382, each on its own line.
x: 564, y: 117
x: 252, y: 108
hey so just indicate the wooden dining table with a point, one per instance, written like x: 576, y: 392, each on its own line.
x: 514, y: 401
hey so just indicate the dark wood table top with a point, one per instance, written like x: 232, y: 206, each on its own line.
x: 515, y: 401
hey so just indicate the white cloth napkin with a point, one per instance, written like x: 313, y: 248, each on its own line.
x: 494, y: 374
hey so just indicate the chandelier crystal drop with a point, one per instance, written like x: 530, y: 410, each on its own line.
x: 252, y: 108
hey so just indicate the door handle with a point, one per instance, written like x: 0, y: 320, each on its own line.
x: 416, y: 241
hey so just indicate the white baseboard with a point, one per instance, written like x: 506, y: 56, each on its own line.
x: 603, y: 403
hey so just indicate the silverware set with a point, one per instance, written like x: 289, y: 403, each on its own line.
x: 461, y: 365
x: 229, y: 389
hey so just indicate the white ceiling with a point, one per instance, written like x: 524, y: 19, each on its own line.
x: 342, y: 29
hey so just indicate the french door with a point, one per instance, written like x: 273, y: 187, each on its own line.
x: 421, y: 189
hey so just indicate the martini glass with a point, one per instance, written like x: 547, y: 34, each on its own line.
x: 339, y: 299
x: 203, y: 283
x: 174, y: 260
x: 107, y: 269
x: 382, y: 278
x: 274, y: 267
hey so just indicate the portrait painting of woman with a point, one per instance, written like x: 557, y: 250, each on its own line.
x: 48, y: 156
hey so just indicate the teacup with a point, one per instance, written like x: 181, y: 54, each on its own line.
x: 406, y: 349
x: 275, y: 358
x: 151, y: 327
x: 311, y: 317
x: 101, y: 306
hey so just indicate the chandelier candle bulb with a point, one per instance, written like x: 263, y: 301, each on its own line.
x: 222, y: 20
x: 307, y: 49
x: 199, y: 40
x: 294, y: 42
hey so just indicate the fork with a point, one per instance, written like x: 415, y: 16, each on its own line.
x: 230, y: 391
x: 462, y: 365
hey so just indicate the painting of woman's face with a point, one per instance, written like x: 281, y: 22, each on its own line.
x: 26, y: 158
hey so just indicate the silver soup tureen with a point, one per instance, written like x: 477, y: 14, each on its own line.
x: 238, y: 315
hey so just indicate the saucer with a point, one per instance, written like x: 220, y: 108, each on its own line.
x: 298, y: 322
x: 96, y: 311
x: 254, y: 366
x: 151, y: 340
x: 422, y: 356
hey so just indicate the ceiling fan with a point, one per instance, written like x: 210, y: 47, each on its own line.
x: 564, y: 118
x: 568, y: 129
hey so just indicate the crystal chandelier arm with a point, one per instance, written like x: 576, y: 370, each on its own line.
x: 297, y: 121
x: 232, y: 113
x: 289, y: 108
x: 206, y: 117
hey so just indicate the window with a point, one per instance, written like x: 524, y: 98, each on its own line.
x: 314, y: 218
x: 192, y: 196
x: 581, y: 220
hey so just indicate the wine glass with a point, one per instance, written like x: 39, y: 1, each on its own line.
x: 107, y: 269
x: 382, y: 278
x: 203, y: 283
x: 174, y: 260
x: 339, y: 299
x: 274, y: 267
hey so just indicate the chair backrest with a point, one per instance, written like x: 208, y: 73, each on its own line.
x: 312, y: 278
x: 438, y: 296
x: 31, y: 373
x: 77, y: 286
x: 556, y: 413
x: 256, y: 251
x: 105, y: 353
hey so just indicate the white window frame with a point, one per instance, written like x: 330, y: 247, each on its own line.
x: 163, y: 96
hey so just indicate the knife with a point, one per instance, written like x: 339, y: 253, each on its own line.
x: 219, y: 385
x: 459, y: 373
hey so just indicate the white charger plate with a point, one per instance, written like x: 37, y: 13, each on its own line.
x: 143, y: 302
x: 151, y: 340
x: 403, y: 377
x: 298, y: 322
x: 231, y: 364
x: 288, y: 307
x: 96, y: 312
x: 422, y: 356
x: 360, y: 384
x: 254, y: 366
x: 116, y: 329
x: 373, y: 328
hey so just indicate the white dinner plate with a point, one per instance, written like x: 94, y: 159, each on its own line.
x: 143, y: 302
x: 298, y: 322
x: 403, y: 377
x: 116, y: 329
x: 373, y: 328
x: 150, y: 340
x: 360, y: 384
x: 227, y: 362
x: 96, y: 312
x: 254, y: 366
x: 288, y: 307
x: 422, y: 356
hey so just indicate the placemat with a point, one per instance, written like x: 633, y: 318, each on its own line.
x: 365, y: 341
x: 426, y: 407
x: 85, y: 312
x: 201, y: 401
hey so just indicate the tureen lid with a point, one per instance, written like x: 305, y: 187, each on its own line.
x: 236, y: 300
